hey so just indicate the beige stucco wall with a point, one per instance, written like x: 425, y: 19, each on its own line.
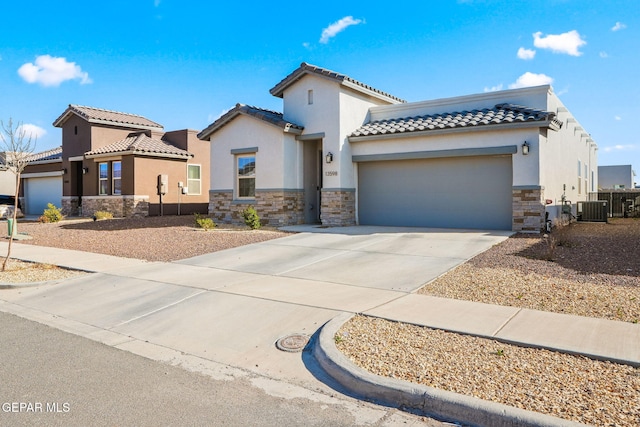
x: 336, y: 111
x: 248, y: 132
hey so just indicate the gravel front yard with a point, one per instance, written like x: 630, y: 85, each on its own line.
x: 585, y: 269
x: 166, y: 238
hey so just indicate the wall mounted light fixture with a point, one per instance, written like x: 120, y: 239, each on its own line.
x: 64, y: 171
x: 525, y: 148
x: 329, y: 157
x: 85, y: 171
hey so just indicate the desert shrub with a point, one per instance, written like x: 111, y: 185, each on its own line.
x: 559, y: 236
x: 251, y: 218
x: 51, y: 214
x: 204, y: 222
x: 103, y: 215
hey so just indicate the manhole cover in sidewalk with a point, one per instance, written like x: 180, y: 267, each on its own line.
x: 292, y: 343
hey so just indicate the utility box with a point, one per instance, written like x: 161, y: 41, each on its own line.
x: 593, y: 211
x: 163, y: 184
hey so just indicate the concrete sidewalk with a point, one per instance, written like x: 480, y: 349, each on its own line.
x: 231, y: 306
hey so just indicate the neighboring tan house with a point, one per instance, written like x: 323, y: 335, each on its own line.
x: 42, y: 181
x: 617, y: 177
x: 113, y: 160
x: 344, y: 153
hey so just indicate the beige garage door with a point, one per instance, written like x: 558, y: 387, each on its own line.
x: 456, y: 192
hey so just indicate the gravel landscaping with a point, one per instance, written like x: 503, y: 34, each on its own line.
x: 586, y: 269
x: 165, y: 238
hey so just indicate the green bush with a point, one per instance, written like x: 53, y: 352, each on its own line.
x: 51, y: 214
x: 103, y: 215
x: 251, y: 218
x: 204, y: 222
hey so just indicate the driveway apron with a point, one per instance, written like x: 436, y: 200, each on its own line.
x: 231, y: 306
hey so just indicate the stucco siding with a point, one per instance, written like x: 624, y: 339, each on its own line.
x: 568, y: 158
x: 247, y: 132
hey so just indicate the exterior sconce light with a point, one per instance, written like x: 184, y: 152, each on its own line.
x: 85, y: 171
x: 64, y: 171
x: 329, y: 157
x: 525, y: 148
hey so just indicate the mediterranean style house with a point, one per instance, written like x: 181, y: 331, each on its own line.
x: 113, y: 161
x: 344, y: 153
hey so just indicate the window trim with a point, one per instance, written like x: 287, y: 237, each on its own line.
x: 199, y: 180
x: 238, y: 177
x: 113, y: 178
x: 101, y: 179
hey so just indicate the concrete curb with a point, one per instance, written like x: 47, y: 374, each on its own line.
x: 430, y: 401
x: 9, y: 285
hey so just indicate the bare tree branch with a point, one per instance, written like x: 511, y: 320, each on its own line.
x: 18, y: 149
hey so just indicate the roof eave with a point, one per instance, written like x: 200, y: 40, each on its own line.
x: 45, y: 162
x: 229, y: 117
x: 477, y: 128
x: 139, y: 154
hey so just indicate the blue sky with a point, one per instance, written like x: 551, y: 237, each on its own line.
x: 183, y: 63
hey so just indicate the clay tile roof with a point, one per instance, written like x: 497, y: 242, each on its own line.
x: 305, y: 68
x: 98, y: 115
x: 53, y: 154
x: 142, y: 145
x: 271, y: 117
x: 500, y: 114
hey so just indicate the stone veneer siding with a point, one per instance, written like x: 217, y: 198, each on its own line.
x: 338, y: 207
x: 528, y: 210
x: 119, y: 206
x: 275, y: 207
x: 70, y: 206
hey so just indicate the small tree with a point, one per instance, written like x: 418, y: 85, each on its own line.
x: 18, y: 147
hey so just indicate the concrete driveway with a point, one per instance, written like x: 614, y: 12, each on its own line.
x: 230, y: 307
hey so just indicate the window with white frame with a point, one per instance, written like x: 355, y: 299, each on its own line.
x: 116, y: 173
x: 193, y: 180
x: 586, y: 178
x: 103, y: 179
x: 579, y: 177
x: 246, y: 176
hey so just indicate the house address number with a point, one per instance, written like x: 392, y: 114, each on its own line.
x: 331, y: 173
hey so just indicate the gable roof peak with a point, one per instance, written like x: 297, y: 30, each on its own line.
x: 306, y: 68
x: 108, y: 117
x: 269, y: 116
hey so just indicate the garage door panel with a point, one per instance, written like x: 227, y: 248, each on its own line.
x: 40, y: 191
x: 462, y: 192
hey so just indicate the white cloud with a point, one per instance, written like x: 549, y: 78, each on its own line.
x: 604, y: 54
x: 31, y: 131
x: 619, y: 26
x: 526, y: 53
x: 568, y: 42
x: 337, y: 27
x: 531, y: 79
x: 493, y: 88
x: 617, y: 118
x: 52, y: 71
x: 619, y: 147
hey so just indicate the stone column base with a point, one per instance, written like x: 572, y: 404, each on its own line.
x: 528, y: 209
x: 338, y: 207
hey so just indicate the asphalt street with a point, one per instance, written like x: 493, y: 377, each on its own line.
x: 53, y: 378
